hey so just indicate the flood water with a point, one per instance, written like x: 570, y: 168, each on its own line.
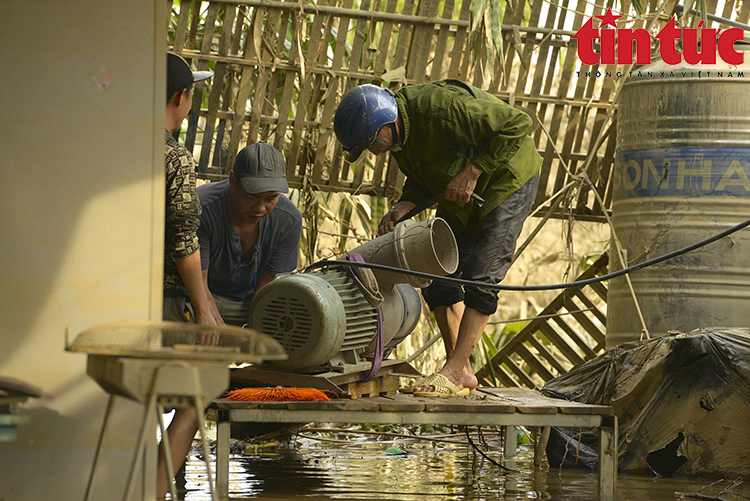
x: 324, y: 466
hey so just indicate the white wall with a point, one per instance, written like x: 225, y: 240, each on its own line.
x: 81, y: 222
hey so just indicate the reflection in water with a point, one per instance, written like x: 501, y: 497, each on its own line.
x: 362, y: 470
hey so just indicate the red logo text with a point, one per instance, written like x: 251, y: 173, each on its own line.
x: 616, y: 44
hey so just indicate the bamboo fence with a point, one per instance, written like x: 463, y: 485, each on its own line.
x: 281, y: 68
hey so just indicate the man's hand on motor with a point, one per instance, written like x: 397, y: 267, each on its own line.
x: 462, y: 185
x: 208, y: 337
x: 397, y: 212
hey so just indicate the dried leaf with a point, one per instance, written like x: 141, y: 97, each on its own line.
x: 397, y: 75
x: 257, y: 32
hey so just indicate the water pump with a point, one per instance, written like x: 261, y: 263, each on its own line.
x: 324, y: 320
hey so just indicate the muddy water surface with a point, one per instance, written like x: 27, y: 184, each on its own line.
x: 361, y: 469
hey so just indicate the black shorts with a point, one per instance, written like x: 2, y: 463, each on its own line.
x: 485, y: 255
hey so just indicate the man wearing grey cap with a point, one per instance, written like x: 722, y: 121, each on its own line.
x: 249, y: 231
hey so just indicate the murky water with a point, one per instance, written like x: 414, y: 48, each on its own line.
x: 359, y: 468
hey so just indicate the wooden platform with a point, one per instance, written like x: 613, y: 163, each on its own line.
x: 506, y: 407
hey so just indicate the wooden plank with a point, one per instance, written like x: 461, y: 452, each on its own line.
x: 375, y: 387
x: 246, y: 81
x: 575, y: 336
x: 607, y: 478
x: 404, y: 36
x: 546, y: 355
x: 535, y: 364
x: 290, y: 78
x: 214, y: 97
x: 545, y: 67
x: 307, y: 406
x: 561, y: 345
x: 600, y: 289
x: 219, y: 159
x: 492, y: 406
x: 413, y: 405
x: 421, y: 42
x: 528, y: 48
x: 234, y: 404
x: 744, y: 12
x: 442, y: 41
x: 558, y: 112
x: 513, y: 16
x: 586, y: 323
x: 501, y: 377
x: 588, y: 303
x: 195, y: 20
x: 438, y: 404
x: 589, y: 85
x: 527, y: 401
x: 338, y: 56
x: 386, y: 34
x: 360, y: 34
x: 460, y: 51
x: 520, y: 374
x: 537, y: 409
x: 270, y: 31
x: 269, y: 106
x: 208, y: 35
x: 182, y: 24
x: 370, y: 54
x: 328, y: 98
x: 727, y: 13
x: 364, y: 404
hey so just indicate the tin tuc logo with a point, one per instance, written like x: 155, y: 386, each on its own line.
x: 616, y: 44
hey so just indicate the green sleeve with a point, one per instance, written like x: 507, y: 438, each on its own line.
x: 413, y: 192
x: 493, y: 129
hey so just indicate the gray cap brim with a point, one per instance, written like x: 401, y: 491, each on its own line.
x: 199, y: 76
x: 255, y: 185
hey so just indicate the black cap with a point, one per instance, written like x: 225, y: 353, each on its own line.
x: 261, y: 167
x: 179, y: 74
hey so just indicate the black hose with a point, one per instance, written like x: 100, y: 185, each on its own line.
x: 335, y: 262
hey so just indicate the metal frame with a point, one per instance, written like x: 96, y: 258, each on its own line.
x: 154, y: 404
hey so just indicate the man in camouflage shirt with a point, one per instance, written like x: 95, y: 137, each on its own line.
x: 184, y: 293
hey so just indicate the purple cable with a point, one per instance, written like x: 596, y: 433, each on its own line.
x: 377, y: 359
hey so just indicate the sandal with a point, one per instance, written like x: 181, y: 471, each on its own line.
x: 442, y: 388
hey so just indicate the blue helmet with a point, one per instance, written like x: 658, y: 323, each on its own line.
x: 360, y: 115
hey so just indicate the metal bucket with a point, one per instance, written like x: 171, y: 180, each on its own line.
x: 681, y: 175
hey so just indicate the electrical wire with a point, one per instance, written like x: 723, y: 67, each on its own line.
x: 579, y: 283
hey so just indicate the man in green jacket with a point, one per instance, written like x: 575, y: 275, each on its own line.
x: 454, y: 139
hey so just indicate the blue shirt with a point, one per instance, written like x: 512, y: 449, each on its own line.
x: 221, y: 251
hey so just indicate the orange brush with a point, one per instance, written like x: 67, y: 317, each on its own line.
x: 277, y: 394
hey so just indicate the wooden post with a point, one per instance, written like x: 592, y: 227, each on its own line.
x: 607, y: 458
x: 222, y: 454
x: 510, y: 442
